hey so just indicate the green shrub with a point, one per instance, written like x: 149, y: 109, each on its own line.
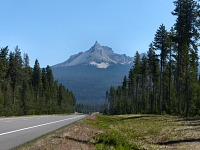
x: 115, y: 140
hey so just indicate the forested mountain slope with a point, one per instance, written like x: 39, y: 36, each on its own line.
x: 88, y: 83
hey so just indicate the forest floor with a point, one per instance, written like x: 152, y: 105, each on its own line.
x: 123, y: 132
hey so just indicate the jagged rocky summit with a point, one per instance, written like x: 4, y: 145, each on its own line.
x: 97, y: 55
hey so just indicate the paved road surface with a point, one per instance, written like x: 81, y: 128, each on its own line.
x: 16, y: 131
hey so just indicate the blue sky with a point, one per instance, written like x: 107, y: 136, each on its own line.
x: 53, y: 30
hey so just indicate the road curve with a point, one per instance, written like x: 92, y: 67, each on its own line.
x: 15, y: 131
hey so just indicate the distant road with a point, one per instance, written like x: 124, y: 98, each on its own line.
x: 15, y: 131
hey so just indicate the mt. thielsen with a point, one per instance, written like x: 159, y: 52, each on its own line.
x: 97, y: 55
x: 91, y: 73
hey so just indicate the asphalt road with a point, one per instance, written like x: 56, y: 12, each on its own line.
x: 15, y: 131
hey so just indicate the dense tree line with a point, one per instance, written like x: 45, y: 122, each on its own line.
x: 166, y: 80
x: 88, y: 108
x: 26, y: 91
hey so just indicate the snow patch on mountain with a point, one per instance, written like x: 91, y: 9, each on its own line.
x: 100, y: 65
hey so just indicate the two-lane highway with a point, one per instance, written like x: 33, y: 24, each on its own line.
x: 18, y: 130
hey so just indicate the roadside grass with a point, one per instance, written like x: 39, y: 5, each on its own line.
x: 124, y: 132
x: 146, y: 132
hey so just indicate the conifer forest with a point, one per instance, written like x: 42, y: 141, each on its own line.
x: 165, y: 80
x: 30, y: 91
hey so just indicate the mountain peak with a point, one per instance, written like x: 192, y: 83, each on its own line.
x: 96, y: 44
x: 97, y: 55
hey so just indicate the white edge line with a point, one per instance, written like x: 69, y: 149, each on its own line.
x: 21, y: 118
x: 38, y: 125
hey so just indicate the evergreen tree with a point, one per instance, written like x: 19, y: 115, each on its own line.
x: 3, y: 63
x: 161, y: 43
x: 154, y: 78
x: 112, y: 100
x: 187, y: 35
x: 144, y: 84
x: 126, y: 100
x: 131, y: 88
x: 26, y: 82
x: 36, y: 82
x: 137, y: 73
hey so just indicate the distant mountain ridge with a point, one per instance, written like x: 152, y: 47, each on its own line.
x: 91, y: 73
x: 97, y: 55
